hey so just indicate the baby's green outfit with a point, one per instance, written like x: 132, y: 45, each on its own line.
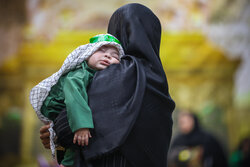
x: 70, y: 92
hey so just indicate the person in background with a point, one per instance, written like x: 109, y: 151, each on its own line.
x: 193, y: 144
x: 241, y: 156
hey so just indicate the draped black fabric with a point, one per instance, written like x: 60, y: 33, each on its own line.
x: 115, y: 97
x: 213, y: 153
x: 130, y: 102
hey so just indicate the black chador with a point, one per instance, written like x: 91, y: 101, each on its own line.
x: 130, y: 101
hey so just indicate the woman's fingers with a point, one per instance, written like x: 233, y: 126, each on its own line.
x: 46, y: 143
x: 47, y: 146
x: 44, y: 129
x: 44, y: 132
x: 44, y: 135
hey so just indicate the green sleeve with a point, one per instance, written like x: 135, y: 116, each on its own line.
x: 54, y: 102
x: 69, y: 156
x: 76, y: 100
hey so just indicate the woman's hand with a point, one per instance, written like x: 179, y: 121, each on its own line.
x: 44, y: 136
x: 82, y: 137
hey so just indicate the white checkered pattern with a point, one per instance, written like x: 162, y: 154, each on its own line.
x: 74, y: 60
x: 39, y: 93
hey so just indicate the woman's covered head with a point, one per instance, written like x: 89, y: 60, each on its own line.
x: 187, y: 122
x: 138, y: 30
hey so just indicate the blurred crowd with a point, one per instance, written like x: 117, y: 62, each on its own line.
x: 195, y: 147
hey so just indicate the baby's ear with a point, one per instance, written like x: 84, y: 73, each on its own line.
x: 87, y: 59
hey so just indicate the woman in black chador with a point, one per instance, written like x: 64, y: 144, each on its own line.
x: 194, y: 139
x: 130, y: 101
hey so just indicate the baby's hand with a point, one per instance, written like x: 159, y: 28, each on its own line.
x: 82, y: 136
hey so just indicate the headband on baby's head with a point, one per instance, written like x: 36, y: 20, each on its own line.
x: 104, y: 37
x: 73, y: 61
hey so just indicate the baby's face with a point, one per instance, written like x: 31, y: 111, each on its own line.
x: 103, y: 57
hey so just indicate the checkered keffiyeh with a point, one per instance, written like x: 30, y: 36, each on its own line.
x: 39, y: 93
x: 74, y: 60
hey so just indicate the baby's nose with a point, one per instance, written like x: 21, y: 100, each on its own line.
x: 108, y: 56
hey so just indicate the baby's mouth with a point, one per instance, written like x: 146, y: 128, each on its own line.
x: 105, y: 62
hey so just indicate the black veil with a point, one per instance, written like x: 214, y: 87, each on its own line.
x: 130, y: 102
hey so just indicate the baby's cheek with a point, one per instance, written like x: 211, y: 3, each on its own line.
x: 115, y: 62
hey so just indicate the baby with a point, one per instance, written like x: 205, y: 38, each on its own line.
x: 68, y: 88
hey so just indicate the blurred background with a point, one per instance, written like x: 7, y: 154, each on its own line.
x: 205, y: 52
